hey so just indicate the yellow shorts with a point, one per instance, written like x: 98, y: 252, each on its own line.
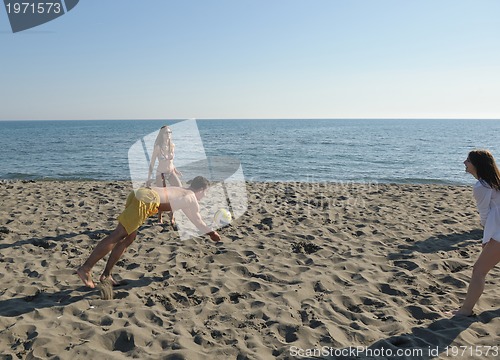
x: 141, y: 204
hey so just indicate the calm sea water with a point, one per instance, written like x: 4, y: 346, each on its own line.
x: 396, y: 151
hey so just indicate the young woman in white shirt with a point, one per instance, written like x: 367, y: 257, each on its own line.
x: 481, y: 165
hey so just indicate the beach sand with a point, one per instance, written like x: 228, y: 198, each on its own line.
x: 308, y: 267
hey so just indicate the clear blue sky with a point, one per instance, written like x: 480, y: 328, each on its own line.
x: 164, y: 59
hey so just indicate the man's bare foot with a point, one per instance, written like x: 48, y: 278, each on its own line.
x: 86, y: 278
x: 103, y: 278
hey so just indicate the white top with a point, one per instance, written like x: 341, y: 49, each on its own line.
x: 488, y: 205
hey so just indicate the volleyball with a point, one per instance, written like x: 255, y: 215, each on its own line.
x: 222, y: 217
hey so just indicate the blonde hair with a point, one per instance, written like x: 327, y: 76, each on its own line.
x: 160, y: 139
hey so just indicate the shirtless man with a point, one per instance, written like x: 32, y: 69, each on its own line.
x: 141, y: 204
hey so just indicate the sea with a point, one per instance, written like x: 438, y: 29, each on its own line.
x: 306, y: 150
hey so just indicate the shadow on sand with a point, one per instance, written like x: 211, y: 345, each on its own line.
x: 48, y: 242
x: 422, y: 343
x: 42, y: 299
x: 448, y: 242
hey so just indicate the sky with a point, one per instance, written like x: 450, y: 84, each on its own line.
x: 231, y: 59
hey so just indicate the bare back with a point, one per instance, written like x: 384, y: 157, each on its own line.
x: 175, y: 198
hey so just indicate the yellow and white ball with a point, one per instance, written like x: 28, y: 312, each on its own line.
x: 222, y: 217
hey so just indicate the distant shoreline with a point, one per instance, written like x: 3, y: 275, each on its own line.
x: 340, y: 182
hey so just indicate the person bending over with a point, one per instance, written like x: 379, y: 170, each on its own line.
x: 141, y: 204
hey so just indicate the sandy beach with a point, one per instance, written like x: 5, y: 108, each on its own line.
x: 310, y: 270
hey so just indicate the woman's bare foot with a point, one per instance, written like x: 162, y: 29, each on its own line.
x: 103, y: 278
x: 86, y: 277
x: 174, y: 226
x: 462, y: 312
x: 172, y: 221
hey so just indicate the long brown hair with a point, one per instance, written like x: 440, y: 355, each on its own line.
x: 486, y: 167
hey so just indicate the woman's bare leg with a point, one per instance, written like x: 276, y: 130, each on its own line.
x: 160, y: 182
x: 490, y: 256
x: 174, y: 181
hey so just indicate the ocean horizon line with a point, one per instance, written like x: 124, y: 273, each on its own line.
x: 270, y: 118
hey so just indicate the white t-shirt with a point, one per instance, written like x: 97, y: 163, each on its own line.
x: 488, y: 205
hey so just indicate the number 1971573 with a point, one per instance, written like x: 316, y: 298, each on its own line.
x: 32, y: 8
